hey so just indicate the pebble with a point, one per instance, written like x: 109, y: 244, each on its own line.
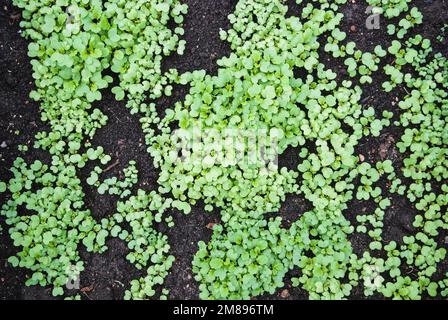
x: 3, y: 145
x: 284, y: 294
x: 210, y: 225
x: 353, y: 28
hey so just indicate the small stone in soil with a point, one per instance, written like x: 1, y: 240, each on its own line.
x: 87, y: 289
x: 210, y: 225
x: 284, y: 294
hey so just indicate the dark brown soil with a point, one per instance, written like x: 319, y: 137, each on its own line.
x: 108, y: 275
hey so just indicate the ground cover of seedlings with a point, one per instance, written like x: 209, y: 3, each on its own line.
x: 381, y: 185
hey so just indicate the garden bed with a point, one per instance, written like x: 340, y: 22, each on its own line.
x: 107, y: 275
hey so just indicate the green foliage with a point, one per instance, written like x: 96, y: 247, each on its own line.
x: 390, y: 8
x: 72, y: 44
x: 255, y: 88
x: 112, y: 185
x: 49, y: 237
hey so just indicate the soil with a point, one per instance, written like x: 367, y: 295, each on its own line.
x: 107, y: 275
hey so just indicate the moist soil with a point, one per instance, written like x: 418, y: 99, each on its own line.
x: 107, y: 275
